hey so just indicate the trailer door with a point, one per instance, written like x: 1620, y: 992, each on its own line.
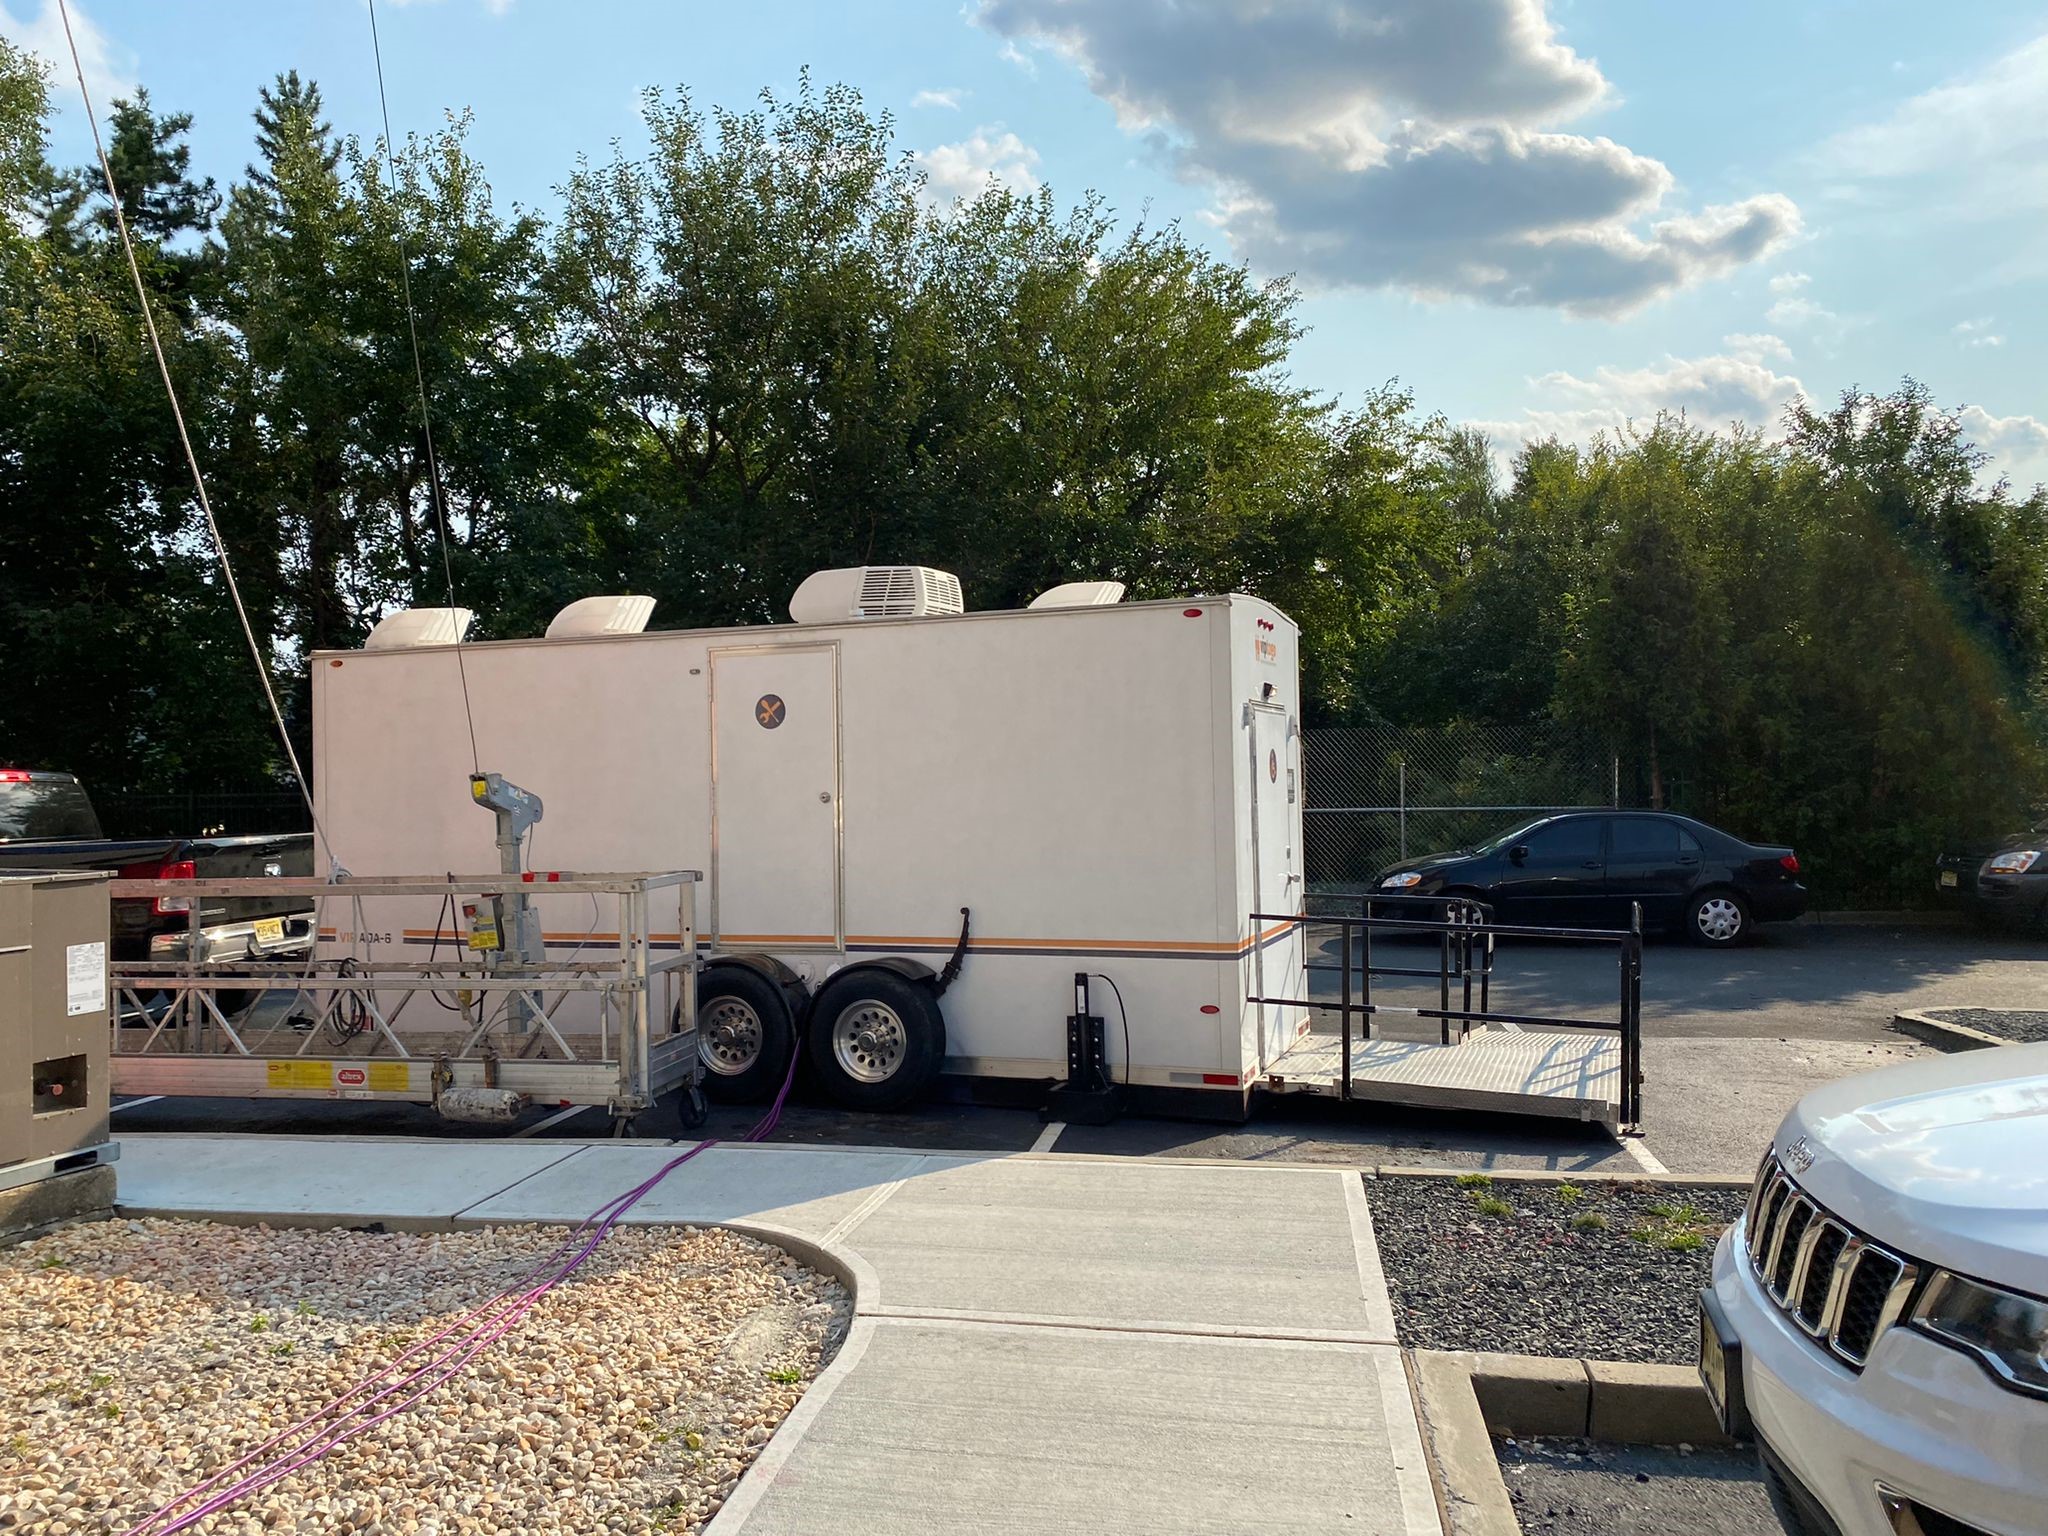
x: 775, y: 785
x: 1276, y: 822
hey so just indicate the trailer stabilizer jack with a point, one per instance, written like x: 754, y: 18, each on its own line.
x: 1088, y: 1096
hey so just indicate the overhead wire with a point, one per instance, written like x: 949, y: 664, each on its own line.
x: 156, y: 347
x: 437, y: 497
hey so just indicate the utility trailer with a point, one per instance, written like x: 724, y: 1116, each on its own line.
x: 933, y: 840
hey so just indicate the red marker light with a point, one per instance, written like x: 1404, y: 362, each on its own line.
x: 1191, y: 613
x: 1210, y: 1008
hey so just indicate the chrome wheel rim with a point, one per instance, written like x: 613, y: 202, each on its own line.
x: 729, y: 1036
x: 869, y: 1041
x: 1720, y: 919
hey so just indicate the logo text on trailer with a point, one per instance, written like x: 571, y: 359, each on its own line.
x: 1268, y: 643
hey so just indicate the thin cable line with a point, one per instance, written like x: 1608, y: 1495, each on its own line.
x: 437, y: 497
x: 156, y: 346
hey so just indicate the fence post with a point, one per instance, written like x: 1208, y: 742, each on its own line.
x: 1401, y: 802
x: 1617, y: 781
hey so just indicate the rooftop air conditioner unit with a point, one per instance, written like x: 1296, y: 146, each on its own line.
x: 1080, y: 594
x: 602, y: 616
x: 410, y: 628
x: 875, y: 592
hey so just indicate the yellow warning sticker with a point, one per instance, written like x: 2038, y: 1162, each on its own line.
x: 299, y: 1074
x: 390, y: 1076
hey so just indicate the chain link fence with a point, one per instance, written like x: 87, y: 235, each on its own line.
x: 1375, y: 795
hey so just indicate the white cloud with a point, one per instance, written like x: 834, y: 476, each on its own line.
x: 1802, y: 312
x: 2018, y: 437
x: 1737, y: 386
x: 949, y: 98
x: 1977, y: 334
x: 109, y: 69
x: 1983, y: 134
x: 966, y: 169
x: 1012, y: 54
x: 1757, y: 347
x: 1789, y: 282
x: 1402, y: 143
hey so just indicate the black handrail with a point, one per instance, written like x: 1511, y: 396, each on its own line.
x: 1466, y: 929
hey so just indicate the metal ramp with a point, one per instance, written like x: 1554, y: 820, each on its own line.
x: 1569, y: 1074
x: 1479, y: 1058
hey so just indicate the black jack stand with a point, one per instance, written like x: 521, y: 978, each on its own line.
x: 1087, y: 1097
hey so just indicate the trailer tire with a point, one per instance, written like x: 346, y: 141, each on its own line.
x: 877, y: 1039
x: 744, y: 1034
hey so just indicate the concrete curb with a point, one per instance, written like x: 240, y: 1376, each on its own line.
x: 1551, y: 1176
x: 1921, y: 1024
x: 1895, y: 919
x: 1466, y: 1399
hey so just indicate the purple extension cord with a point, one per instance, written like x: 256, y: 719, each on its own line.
x: 321, y: 1431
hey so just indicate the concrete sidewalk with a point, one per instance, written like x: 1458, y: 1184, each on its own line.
x: 1040, y: 1343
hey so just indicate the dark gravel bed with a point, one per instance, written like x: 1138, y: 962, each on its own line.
x: 2025, y: 1026
x: 1541, y: 1276
x: 1578, y: 1488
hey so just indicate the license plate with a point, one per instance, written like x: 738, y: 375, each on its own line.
x: 1948, y: 879
x: 1721, y: 1375
x: 269, y: 930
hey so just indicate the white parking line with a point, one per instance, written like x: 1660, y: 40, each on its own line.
x: 1635, y: 1148
x: 1048, y: 1136
x: 131, y: 1103
x: 555, y: 1119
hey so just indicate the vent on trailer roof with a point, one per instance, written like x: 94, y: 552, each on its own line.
x: 1080, y: 594
x: 602, y: 616
x: 411, y: 627
x: 875, y: 592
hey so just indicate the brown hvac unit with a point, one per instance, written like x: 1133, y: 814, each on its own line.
x: 53, y: 1025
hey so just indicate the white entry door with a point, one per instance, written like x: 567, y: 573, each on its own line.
x: 775, y: 797
x: 1277, y: 963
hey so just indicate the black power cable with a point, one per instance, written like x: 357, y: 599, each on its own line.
x: 1122, y: 1016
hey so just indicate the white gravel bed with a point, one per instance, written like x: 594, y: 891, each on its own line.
x: 139, y: 1357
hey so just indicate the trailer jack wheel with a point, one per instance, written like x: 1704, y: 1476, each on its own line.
x: 692, y: 1108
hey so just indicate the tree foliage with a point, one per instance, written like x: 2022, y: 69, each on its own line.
x: 761, y: 347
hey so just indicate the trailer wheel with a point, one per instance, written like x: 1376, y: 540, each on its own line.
x: 744, y: 1035
x: 876, y: 1039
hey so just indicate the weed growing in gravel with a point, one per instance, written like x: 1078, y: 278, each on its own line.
x: 1475, y: 1181
x: 51, y: 1262
x: 283, y: 1348
x: 670, y: 1513
x: 19, y: 1447
x: 304, y: 1308
x: 1589, y: 1221
x: 1670, y: 1239
x: 260, y: 1323
x: 693, y: 1441
x: 1492, y: 1205
x: 1570, y: 1194
x: 99, y: 1380
x: 786, y: 1376
x: 110, y: 1410
x: 1677, y: 1215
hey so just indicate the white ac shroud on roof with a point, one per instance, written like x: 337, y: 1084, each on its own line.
x: 1080, y: 594
x: 602, y: 616
x: 411, y: 627
x: 875, y: 592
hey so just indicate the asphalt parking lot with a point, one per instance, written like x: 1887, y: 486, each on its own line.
x: 1731, y: 1039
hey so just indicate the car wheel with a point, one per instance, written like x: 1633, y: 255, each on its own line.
x: 1718, y: 919
x: 876, y: 1039
x: 744, y: 1035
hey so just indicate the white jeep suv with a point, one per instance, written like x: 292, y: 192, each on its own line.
x: 1878, y: 1318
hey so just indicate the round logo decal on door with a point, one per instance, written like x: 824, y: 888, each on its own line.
x: 1273, y: 766
x: 768, y: 712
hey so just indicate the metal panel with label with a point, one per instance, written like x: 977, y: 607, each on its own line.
x: 775, y: 787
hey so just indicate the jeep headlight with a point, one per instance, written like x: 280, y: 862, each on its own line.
x: 1400, y: 882
x: 2014, y: 861
x: 2008, y: 1332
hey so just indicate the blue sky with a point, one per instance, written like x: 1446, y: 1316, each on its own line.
x: 1540, y: 216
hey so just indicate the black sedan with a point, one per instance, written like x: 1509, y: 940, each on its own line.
x: 1583, y: 869
x: 2005, y: 883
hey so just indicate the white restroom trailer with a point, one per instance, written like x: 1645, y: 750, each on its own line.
x: 1110, y: 789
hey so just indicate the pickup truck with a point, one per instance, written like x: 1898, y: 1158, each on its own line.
x: 47, y: 822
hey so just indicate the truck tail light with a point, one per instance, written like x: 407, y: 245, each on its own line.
x: 15, y: 775
x: 1790, y: 863
x: 175, y: 869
